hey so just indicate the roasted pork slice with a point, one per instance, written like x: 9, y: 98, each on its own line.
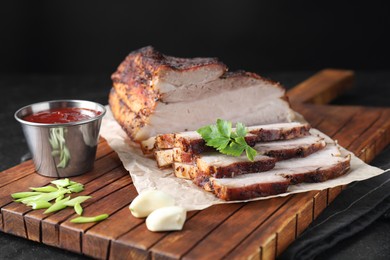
x: 190, y: 171
x: 298, y: 147
x: 181, y: 156
x: 171, y: 94
x: 221, y: 166
x: 266, y: 185
x: 280, y: 150
x: 191, y: 141
x: 318, y: 167
x: 281, y: 131
x: 187, y: 171
x: 209, y: 162
x: 166, y: 157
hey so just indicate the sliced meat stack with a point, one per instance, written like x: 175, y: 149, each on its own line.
x: 184, y: 146
x: 155, y: 94
x: 318, y: 167
x: 160, y: 101
x: 287, y: 154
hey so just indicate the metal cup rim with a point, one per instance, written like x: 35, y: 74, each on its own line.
x: 18, y: 118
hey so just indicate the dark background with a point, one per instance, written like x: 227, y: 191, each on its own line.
x: 93, y: 37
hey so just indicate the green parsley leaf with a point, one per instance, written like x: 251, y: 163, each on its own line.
x: 234, y: 149
x: 224, y: 127
x: 225, y: 140
x: 250, y: 153
x: 240, y: 130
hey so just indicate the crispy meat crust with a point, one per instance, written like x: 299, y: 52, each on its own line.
x: 241, y: 73
x: 266, y: 135
x: 165, y: 141
x: 251, y: 191
x: 321, y: 174
x: 181, y: 156
x: 129, y: 121
x: 151, y: 61
x: 296, y: 152
x: 138, y: 98
x: 235, y: 169
x: 185, y: 171
x: 195, y: 146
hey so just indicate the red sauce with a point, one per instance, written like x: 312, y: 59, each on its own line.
x: 62, y: 115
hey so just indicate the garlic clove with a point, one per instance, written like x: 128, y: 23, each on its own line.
x: 148, y: 201
x: 166, y: 219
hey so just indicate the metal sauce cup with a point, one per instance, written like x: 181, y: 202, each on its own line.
x: 65, y: 149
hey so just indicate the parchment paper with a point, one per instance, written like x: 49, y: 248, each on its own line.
x: 146, y: 175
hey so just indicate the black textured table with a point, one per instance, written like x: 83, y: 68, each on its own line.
x: 372, y: 89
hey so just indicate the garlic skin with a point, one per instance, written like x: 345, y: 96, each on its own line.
x: 166, y: 219
x: 148, y: 201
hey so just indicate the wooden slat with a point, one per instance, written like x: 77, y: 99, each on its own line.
x: 34, y: 218
x: 195, y: 229
x: 96, y: 241
x: 305, y: 216
x: 12, y: 174
x: 379, y: 131
x: 333, y: 193
x: 22, y: 184
x: 50, y: 234
x: 135, y: 244
x: 265, y: 235
x: 13, y: 214
x: 70, y: 238
x: 320, y: 202
x: 335, y: 121
x: 323, y: 87
x: 357, y: 126
x: 287, y: 234
x: 306, y: 110
x: 234, y: 228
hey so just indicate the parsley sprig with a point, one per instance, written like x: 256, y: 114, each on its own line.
x: 221, y: 137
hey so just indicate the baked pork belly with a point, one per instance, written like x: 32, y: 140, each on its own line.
x: 221, y: 166
x: 191, y: 141
x: 211, y: 161
x: 318, y: 167
x: 266, y: 185
x: 298, y: 147
x: 164, y: 94
x: 185, y: 170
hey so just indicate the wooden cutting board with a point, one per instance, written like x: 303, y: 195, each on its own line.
x: 261, y: 229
